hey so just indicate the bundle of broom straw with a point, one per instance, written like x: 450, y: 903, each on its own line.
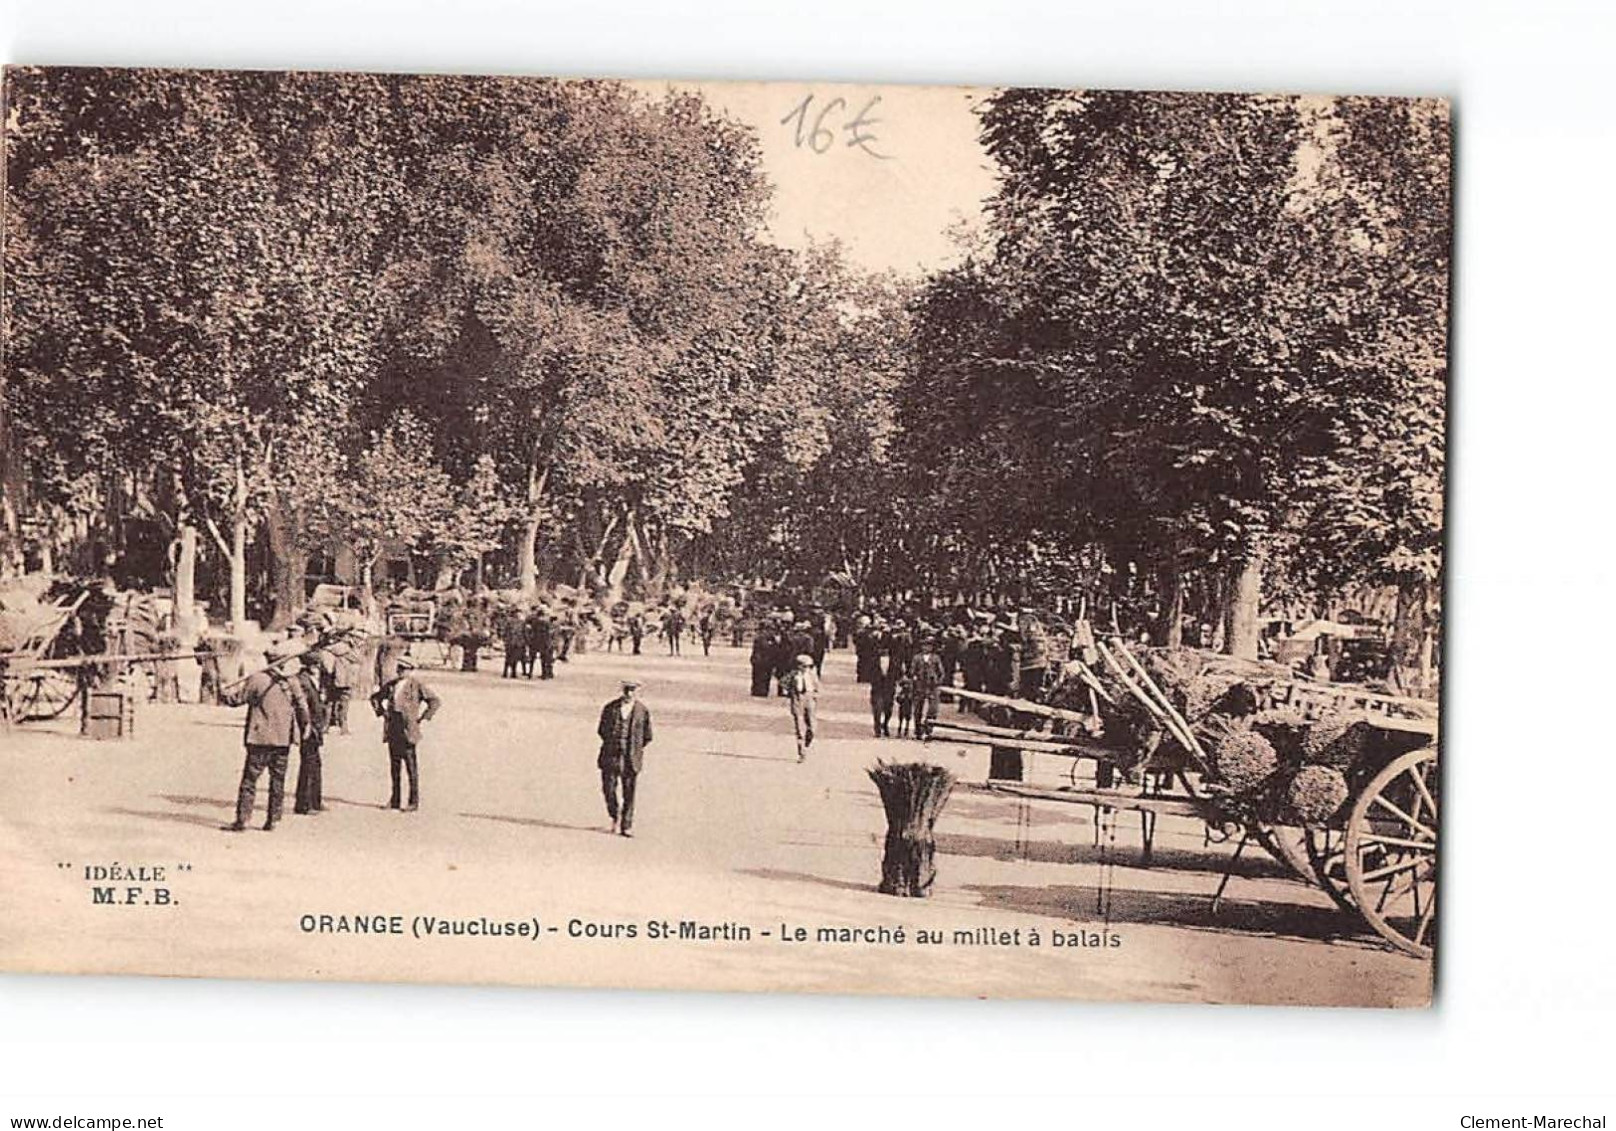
x: 913, y: 795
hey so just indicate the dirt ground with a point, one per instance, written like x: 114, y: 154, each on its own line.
x: 730, y: 830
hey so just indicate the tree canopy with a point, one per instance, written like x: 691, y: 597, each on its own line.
x: 1196, y: 353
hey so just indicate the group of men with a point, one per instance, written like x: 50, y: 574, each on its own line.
x: 779, y: 643
x: 538, y: 637
x: 299, y: 696
x: 671, y: 622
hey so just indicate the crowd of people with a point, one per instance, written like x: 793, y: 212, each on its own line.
x: 906, y: 656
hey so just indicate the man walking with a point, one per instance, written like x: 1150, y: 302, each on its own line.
x: 399, y: 703
x: 802, y: 687
x: 625, y: 732
x: 277, y: 716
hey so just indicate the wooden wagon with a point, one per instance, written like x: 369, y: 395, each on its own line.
x: 50, y: 671
x: 32, y: 689
x: 1376, y: 855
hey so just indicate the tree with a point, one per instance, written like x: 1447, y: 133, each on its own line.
x: 396, y: 494
x: 475, y: 522
x: 570, y: 249
x: 1176, y: 306
x: 197, y: 290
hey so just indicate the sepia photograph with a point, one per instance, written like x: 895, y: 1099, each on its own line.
x: 728, y: 536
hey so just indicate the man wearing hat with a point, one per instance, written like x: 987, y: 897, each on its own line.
x: 625, y: 732
x: 278, y: 715
x: 308, y: 797
x: 802, y: 685
x: 344, y: 677
x: 400, y: 704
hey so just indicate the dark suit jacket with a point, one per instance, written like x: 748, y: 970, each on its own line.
x: 611, y: 734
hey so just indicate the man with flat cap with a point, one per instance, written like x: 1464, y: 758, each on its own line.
x: 404, y: 703
x: 802, y: 685
x: 625, y: 732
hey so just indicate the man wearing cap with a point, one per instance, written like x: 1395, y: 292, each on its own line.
x: 926, y: 672
x: 400, y: 704
x: 625, y: 732
x: 277, y: 716
x: 802, y: 685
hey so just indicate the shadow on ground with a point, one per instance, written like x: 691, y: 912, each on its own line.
x: 806, y: 878
x: 1080, y: 903
x: 535, y: 823
x: 1164, y: 858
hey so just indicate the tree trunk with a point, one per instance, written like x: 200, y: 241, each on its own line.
x: 448, y: 577
x: 1242, y: 599
x: 238, y: 574
x: 285, y: 567
x: 1411, y: 634
x: 1170, y: 633
x: 627, y: 553
x: 527, y: 561
x: 527, y: 553
x: 185, y: 586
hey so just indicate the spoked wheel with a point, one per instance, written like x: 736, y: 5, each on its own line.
x: 41, y: 695
x: 1390, y: 852
x: 1327, y: 860
x: 1286, y: 844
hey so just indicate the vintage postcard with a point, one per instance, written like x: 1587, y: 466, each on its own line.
x: 766, y: 537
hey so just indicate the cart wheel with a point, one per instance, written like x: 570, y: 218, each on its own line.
x: 1327, y: 860
x: 1391, y: 852
x: 44, y: 695
x: 1286, y: 844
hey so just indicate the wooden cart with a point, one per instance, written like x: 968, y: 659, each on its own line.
x: 1376, y: 856
x: 31, y: 688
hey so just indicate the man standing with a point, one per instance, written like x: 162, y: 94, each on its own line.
x: 1034, y: 656
x: 344, y: 675
x: 864, y: 649
x: 514, y: 638
x: 541, y: 642
x: 802, y: 686
x: 625, y: 732
x: 763, y: 660
x: 399, y: 704
x: 673, y: 627
x: 565, y: 629
x: 926, y: 671
x: 277, y: 716
x: 819, y: 634
x: 883, y: 693
x: 308, y: 796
